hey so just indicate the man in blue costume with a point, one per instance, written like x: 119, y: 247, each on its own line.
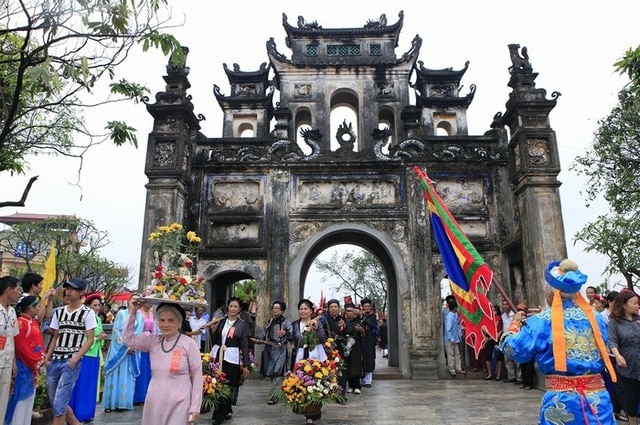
x: 568, y: 343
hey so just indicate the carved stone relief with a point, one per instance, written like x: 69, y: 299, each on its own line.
x: 302, y: 231
x: 365, y: 192
x: 385, y: 89
x: 246, y: 90
x: 165, y: 153
x: 167, y: 125
x: 302, y: 90
x: 538, y: 150
x: 244, y: 234
x: 463, y: 196
x: 230, y: 196
x: 441, y: 91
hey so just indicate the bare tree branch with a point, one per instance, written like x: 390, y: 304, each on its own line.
x: 22, y: 200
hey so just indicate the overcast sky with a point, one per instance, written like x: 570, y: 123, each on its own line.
x: 571, y: 45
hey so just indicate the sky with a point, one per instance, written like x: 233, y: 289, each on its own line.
x: 571, y: 45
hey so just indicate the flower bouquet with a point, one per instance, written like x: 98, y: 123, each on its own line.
x: 214, y: 383
x: 175, y: 253
x: 311, y: 383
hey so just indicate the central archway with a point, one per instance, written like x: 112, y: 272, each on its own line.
x: 380, y: 245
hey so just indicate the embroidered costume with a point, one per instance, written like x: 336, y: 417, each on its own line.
x: 568, y: 343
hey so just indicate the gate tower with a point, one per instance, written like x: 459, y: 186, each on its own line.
x: 284, y: 182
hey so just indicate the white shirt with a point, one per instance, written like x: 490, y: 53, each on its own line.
x: 8, y: 329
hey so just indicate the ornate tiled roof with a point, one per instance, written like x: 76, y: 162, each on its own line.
x: 371, y: 28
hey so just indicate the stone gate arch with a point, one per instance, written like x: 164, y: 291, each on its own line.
x: 384, y: 249
x: 263, y: 206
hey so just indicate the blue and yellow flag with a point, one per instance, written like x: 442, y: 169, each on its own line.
x: 469, y: 275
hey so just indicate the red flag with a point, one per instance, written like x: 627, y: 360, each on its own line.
x: 469, y: 275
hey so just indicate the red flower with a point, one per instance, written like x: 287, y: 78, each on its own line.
x: 188, y: 263
x: 158, y: 275
x: 159, y: 267
x: 183, y: 281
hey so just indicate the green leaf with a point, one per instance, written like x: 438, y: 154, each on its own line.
x: 130, y: 90
x: 121, y: 133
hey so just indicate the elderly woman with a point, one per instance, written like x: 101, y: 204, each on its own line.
x: 175, y: 389
x: 624, y: 342
x: 277, y: 333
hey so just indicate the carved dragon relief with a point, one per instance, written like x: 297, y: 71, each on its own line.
x: 538, y: 150
x: 164, y: 154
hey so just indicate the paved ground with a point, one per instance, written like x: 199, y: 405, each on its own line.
x: 392, y: 401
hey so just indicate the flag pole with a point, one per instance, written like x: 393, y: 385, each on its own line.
x: 503, y: 293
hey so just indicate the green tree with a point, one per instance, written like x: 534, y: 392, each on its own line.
x: 245, y: 290
x: 78, y: 243
x: 358, y: 273
x: 53, y: 55
x: 612, y: 169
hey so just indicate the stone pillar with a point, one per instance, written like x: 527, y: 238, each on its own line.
x: 168, y: 162
x: 533, y: 171
x: 424, y: 300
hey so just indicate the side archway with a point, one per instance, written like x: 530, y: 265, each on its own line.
x: 380, y: 245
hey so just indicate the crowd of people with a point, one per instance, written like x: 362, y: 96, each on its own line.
x: 588, y: 349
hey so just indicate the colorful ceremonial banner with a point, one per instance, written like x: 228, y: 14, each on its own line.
x: 469, y: 275
x: 49, y: 276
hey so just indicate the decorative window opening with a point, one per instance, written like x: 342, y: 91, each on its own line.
x: 344, y: 50
x: 312, y: 50
x: 386, y: 120
x: 444, y: 129
x: 344, y: 111
x: 375, y: 50
x: 302, y: 122
x: 246, y: 130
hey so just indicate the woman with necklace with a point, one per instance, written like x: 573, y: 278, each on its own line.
x: 175, y: 389
x: 623, y: 331
x: 231, y: 346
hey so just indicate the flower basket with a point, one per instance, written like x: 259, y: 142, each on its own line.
x: 309, y: 410
x: 175, y: 252
x: 312, y: 383
x: 214, y: 384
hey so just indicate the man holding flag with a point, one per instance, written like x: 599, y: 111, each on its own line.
x: 469, y: 275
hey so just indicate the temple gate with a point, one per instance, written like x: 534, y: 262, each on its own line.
x: 285, y: 181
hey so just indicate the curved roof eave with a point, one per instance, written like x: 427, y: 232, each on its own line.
x: 317, y: 30
x: 432, y: 102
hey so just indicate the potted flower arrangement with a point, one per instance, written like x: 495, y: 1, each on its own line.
x: 214, y: 384
x: 175, y: 252
x: 312, y: 383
